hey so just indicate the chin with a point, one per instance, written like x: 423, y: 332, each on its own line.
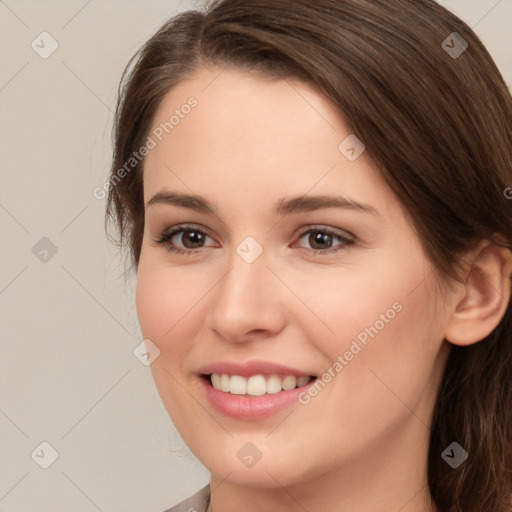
x: 251, y: 461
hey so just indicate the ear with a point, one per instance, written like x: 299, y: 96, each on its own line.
x: 483, y: 300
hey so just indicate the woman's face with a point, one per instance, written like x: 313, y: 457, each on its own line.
x: 305, y: 266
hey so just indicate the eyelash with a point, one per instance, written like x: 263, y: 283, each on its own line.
x: 164, y: 240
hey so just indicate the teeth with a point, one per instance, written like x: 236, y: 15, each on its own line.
x: 273, y: 384
x: 302, y: 381
x: 289, y: 382
x: 216, y: 381
x: 224, y: 383
x: 237, y: 385
x: 256, y: 385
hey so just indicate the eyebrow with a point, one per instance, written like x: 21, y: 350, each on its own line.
x: 282, y: 207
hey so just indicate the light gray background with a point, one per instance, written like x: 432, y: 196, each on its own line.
x: 68, y: 375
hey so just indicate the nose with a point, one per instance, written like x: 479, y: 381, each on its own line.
x: 247, y: 303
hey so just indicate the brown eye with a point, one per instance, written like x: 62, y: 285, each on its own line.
x: 324, y: 240
x: 320, y: 240
x: 191, y: 239
x: 183, y: 239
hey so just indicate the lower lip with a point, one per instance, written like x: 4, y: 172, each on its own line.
x: 249, y: 408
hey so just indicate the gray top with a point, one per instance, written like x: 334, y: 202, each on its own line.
x: 197, y: 503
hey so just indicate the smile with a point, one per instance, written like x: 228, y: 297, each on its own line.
x: 252, y: 390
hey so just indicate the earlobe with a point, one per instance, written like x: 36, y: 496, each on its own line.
x: 485, y: 296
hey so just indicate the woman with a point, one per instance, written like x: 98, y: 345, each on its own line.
x: 314, y: 197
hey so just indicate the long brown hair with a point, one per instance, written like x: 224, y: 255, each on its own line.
x: 435, y: 116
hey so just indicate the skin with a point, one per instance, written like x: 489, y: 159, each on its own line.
x: 360, y: 444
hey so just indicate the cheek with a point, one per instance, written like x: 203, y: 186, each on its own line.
x: 165, y: 299
x: 384, y: 324
x: 154, y: 304
x: 355, y: 302
x: 397, y: 371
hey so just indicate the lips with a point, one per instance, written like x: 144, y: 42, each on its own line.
x: 252, y: 390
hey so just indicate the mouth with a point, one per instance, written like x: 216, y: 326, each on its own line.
x: 258, y: 384
x: 253, y: 390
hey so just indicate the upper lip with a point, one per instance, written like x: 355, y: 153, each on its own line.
x: 249, y: 368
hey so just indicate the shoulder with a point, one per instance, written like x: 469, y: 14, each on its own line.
x: 196, y: 503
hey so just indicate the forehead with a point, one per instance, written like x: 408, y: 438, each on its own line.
x: 229, y: 132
